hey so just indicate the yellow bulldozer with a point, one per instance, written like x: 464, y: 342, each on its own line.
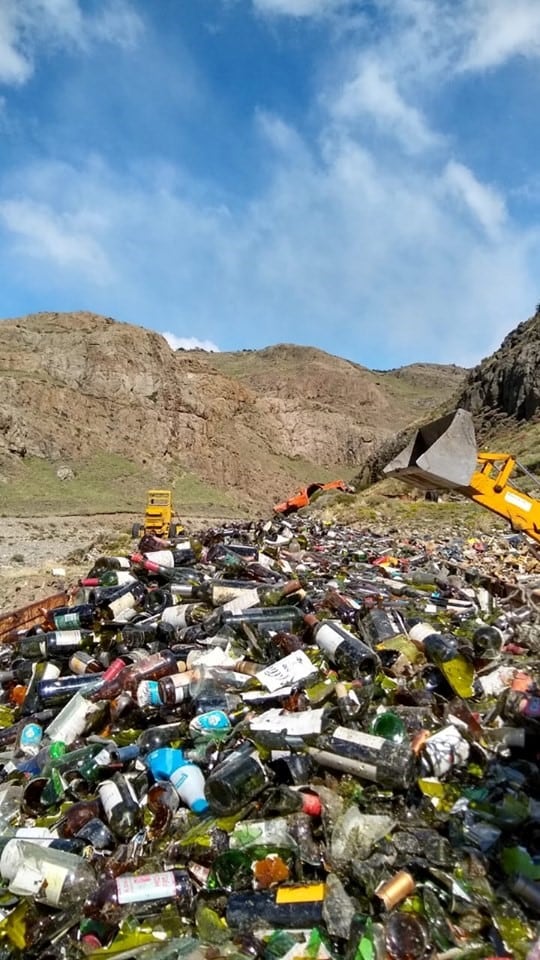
x: 443, y: 455
x: 158, y: 517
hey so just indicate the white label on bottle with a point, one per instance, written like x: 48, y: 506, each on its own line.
x: 292, y: 669
x: 165, y: 558
x: 446, y: 749
x: 122, y: 576
x: 55, y: 878
x: 67, y: 638
x: 420, y: 631
x: 147, y: 886
x: 103, y: 758
x: 124, y: 602
x: 327, y: 639
x: 359, y: 737
x: 50, y: 672
x: 176, y: 615
x: 220, y: 594
x: 27, y: 881
x: 33, y: 833
x: 12, y: 857
x: 294, y: 724
x: 123, y: 562
x: 242, y: 601
x: 110, y: 796
x: 71, y: 721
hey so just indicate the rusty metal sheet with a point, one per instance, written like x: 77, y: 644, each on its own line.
x: 32, y: 615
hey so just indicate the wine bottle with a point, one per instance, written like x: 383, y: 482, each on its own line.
x: 49, y: 875
x: 352, y: 657
x: 57, y: 644
x: 121, y: 805
x: 235, y: 781
x: 139, y: 892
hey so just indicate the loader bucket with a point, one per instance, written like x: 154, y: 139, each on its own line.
x: 442, y: 454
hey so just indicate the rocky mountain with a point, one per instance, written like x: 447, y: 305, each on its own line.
x: 503, y: 394
x: 90, y: 399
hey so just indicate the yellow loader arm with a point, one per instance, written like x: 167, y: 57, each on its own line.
x: 443, y: 456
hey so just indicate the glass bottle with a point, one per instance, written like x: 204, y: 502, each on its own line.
x: 81, y: 615
x: 235, y: 781
x: 143, y: 892
x: 351, y: 656
x: 121, y: 805
x: 58, y: 644
x: 42, y: 670
x: 49, y: 875
x: 373, y: 758
x: 442, y: 649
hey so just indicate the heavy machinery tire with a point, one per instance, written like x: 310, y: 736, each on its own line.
x: 172, y: 531
x: 136, y: 530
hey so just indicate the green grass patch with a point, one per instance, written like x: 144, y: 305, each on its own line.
x: 105, y: 483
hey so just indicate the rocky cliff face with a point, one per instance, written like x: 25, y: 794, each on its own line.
x: 74, y: 384
x: 507, y: 384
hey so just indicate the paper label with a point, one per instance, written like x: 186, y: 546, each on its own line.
x: 148, y: 694
x: 67, y: 638
x: 327, y: 639
x: 176, y: 615
x: 121, y: 603
x: 147, y: 886
x: 110, y: 796
x: 446, y: 749
x: 292, y: 669
x: 55, y: 878
x: 242, y: 601
x: 293, y: 724
x: 10, y: 859
x: 27, y: 881
x: 71, y: 720
x: 63, y: 620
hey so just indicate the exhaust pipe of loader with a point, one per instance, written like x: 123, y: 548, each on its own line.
x: 441, y: 455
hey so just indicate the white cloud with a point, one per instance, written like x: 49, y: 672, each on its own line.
x: 28, y: 26
x: 483, y: 201
x: 298, y: 8
x: 62, y: 239
x: 189, y: 343
x: 501, y: 30
x: 373, y: 92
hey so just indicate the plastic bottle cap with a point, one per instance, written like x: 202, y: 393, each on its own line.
x: 200, y: 806
x: 311, y: 804
x: 164, y: 761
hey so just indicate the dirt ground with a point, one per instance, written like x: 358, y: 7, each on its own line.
x: 40, y: 556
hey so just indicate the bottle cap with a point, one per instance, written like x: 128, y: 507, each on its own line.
x: 164, y: 761
x: 200, y: 806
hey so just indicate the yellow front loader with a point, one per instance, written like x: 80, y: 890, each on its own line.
x: 443, y: 455
x: 158, y: 517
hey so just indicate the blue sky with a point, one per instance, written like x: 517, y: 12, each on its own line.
x: 357, y: 175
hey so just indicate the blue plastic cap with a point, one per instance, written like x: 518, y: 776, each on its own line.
x: 129, y: 752
x: 200, y: 806
x: 164, y: 761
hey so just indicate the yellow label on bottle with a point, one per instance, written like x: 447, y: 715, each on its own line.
x: 303, y: 893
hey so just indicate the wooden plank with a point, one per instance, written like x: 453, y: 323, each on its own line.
x: 32, y: 615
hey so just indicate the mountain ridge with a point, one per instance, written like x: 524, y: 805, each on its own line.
x: 251, y: 425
